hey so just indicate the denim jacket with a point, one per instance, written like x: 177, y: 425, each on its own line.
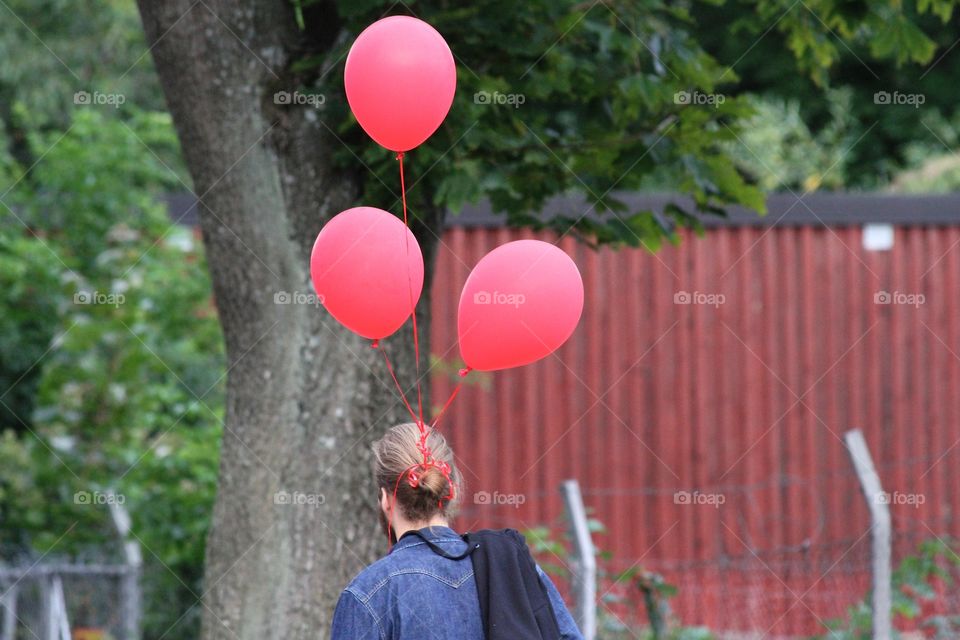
x: 413, y: 593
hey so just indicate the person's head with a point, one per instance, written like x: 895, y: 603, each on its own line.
x: 397, y: 454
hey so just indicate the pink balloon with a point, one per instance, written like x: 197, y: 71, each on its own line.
x: 520, y: 303
x: 367, y: 269
x: 400, y: 80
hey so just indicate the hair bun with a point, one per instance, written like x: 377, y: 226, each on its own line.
x: 421, y: 475
x: 433, y: 481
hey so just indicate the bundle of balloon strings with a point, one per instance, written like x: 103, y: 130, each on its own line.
x: 415, y: 472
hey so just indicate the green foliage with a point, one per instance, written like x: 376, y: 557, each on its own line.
x: 52, y: 49
x: 778, y: 150
x: 937, y: 174
x: 588, y: 104
x: 801, y: 53
x: 819, y: 32
x: 128, y: 394
x: 931, y: 167
x: 56, y: 217
x: 101, y: 173
x: 559, y: 97
x: 551, y: 551
x: 912, y: 585
x: 27, y: 317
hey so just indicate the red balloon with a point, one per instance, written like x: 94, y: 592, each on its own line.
x: 520, y: 303
x: 400, y: 80
x: 367, y: 269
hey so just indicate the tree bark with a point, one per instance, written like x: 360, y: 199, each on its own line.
x: 305, y: 397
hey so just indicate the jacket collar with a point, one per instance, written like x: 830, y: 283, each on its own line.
x: 433, y: 534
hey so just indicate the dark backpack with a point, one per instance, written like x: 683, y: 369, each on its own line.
x: 514, y: 604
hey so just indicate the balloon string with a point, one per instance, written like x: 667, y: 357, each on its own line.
x: 416, y: 338
x: 456, y: 390
x: 428, y: 460
x: 376, y: 345
x: 449, y: 401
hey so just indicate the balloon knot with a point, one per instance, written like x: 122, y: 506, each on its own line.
x: 400, y: 155
x: 413, y: 479
x: 465, y: 371
x: 375, y: 344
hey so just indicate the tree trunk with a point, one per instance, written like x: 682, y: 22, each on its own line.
x: 305, y: 397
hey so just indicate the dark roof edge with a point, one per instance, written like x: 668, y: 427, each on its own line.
x: 783, y: 209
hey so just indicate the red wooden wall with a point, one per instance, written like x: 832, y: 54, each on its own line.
x: 745, y: 402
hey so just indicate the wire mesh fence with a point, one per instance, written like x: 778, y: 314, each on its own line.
x: 794, y: 593
x: 60, y: 601
x: 780, y: 558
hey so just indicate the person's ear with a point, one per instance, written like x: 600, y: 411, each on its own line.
x: 384, y: 500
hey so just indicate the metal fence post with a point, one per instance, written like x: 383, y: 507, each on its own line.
x: 878, y: 503
x: 50, y: 628
x: 9, y: 600
x: 130, y: 598
x: 584, y: 581
x: 60, y: 620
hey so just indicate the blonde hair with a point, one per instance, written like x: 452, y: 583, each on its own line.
x: 397, y: 454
